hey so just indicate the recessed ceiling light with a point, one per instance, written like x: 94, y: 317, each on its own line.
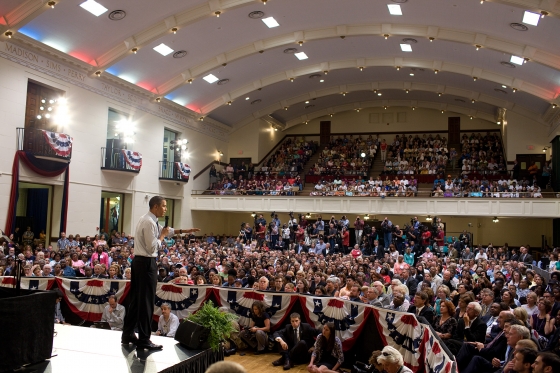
x: 406, y: 48
x: 322, y: 81
x: 270, y: 22
x: 395, y: 9
x: 306, y: 102
x: 504, y: 86
x: 379, y: 94
x: 94, y: 7
x: 531, y: 18
x: 163, y: 49
x: 516, y: 60
x: 247, y: 98
x: 210, y: 78
x: 301, y: 56
x: 411, y: 74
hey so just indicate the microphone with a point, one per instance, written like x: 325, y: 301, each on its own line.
x: 166, y: 222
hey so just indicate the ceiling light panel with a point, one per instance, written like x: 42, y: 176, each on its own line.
x: 301, y: 56
x: 517, y: 60
x: 210, y: 78
x: 406, y: 48
x: 93, y: 7
x: 395, y: 9
x: 163, y: 49
x: 270, y: 22
x: 531, y: 18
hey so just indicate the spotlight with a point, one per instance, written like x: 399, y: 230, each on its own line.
x: 51, y: 101
x: 358, y: 110
x: 300, y: 43
x: 428, y: 218
x: 134, y: 50
x: 431, y: 39
x: 478, y: 46
x: 41, y: 108
x: 229, y: 103
x: 39, y: 117
x: 413, y: 108
x: 406, y: 90
x: 473, y: 101
x: 217, y: 13
x: 174, y: 30
x: 158, y: 99
x: 264, y: 2
x: 375, y: 91
x: 189, y: 81
x: 398, y: 68
x: 474, y: 78
x: 470, y: 117
x: 285, y: 108
x: 495, y: 220
x: 51, y: 4
x: 343, y: 93
x: 443, y: 111
x: 439, y: 94
x: 525, y: 60
x: 326, y: 72
x: 514, y: 90
x: 43, y: 101
x: 544, y: 13
x: 554, y: 106
x: 47, y: 116
x: 291, y: 80
x: 544, y: 149
x: 8, y: 34
x: 386, y: 36
x: 385, y: 107
x: 331, y: 114
x: 436, y: 71
x: 98, y: 73
x: 201, y: 119
x: 361, y: 68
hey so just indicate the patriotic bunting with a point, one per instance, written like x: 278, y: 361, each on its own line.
x: 184, y: 170
x: 241, y: 300
x: 88, y: 297
x: 421, y: 350
x: 133, y: 159
x: 184, y: 300
x: 60, y: 143
x: 31, y: 283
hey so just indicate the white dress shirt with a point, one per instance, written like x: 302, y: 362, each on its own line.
x: 168, y: 328
x: 147, y: 236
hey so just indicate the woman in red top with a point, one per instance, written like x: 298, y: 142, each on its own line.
x: 383, y: 147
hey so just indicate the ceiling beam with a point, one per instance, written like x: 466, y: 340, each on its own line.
x: 23, y: 14
x: 422, y: 31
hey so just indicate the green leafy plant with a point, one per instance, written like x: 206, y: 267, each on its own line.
x: 218, y: 323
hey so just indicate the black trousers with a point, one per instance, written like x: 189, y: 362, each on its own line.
x: 142, y: 297
x: 298, y: 354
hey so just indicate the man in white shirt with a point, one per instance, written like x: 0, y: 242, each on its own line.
x: 168, y: 322
x: 114, y: 314
x: 149, y: 236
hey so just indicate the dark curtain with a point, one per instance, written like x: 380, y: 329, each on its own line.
x: 37, y: 207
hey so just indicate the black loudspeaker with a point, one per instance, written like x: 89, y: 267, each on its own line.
x: 192, y: 336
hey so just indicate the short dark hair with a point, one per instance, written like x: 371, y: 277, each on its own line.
x: 529, y: 355
x: 422, y: 295
x: 156, y: 201
x: 295, y: 315
x: 232, y: 272
x: 550, y: 359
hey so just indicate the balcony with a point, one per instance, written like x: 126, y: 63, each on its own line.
x: 113, y: 159
x: 171, y: 171
x: 43, y: 143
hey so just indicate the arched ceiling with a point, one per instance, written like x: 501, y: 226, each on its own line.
x: 338, y: 37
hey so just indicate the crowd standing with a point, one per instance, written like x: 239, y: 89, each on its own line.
x: 489, y: 305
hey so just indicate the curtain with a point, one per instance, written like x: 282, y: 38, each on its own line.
x: 37, y: 207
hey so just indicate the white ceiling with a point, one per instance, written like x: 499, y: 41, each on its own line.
x: 235, y: 40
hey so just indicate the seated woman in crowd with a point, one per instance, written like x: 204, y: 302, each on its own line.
x: 327, y: 356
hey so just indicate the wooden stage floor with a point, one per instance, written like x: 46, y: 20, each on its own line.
x: 90, y: 350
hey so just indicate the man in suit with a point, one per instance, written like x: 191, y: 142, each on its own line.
x: 477, y: 357
x: 295, y: 341
x: 470, y: 328
x: 301, y: 247
x: 410, y: 282
x: 524, y: 256
x: 514, y: 335
x: 421, y: 307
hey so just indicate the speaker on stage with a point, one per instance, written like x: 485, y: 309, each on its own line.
x: 192, y: 335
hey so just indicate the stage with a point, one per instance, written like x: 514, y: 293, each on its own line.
x: 88, y: 350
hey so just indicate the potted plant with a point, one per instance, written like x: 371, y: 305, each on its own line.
x: 219, y: 324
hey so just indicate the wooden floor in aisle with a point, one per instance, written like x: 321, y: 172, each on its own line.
x: 262, y: 363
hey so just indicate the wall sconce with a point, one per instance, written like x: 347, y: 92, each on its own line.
x: 220, y: 153
x: 544, y: 149
x: 495, y: 220
x: 366, y: 217
x: 254, y: 215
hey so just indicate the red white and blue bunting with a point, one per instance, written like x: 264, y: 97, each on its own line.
x: 31, y: 283
x: 421, y: 351
x: 184, y: 300
x: 133, y: 159
x: 88, y: 297
x: 184, y: 170
x: 60, y: 143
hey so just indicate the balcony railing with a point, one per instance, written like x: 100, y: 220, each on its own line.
x: 113, y: 159
x: 170, y: 171
x: 36, y: 142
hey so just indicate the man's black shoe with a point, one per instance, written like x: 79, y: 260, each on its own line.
x: 230, y: 352
x: 127, y: 340
x: 278, y: 362
x: 288, y: 365
x: 148, y: 346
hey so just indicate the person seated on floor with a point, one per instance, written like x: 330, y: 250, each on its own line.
x: 256, y: 335
x: 327, y: 356
x: 114, y: 313
x: 295, y: 342
x: 168, y: 322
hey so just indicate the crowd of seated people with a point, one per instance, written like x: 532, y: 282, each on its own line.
x: 473, y: 187
x: 261, y: 186
x: 414, y: 155
x: 346, y: 155
x: 276, y: 177
x: 482, y: 154
x: 403, y: 187
x: 481, y: 301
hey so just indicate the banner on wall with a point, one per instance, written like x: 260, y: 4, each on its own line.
x: 184, y: 170
x: 133, y: 159
x: 60, y: 143
x: 184, y: 300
